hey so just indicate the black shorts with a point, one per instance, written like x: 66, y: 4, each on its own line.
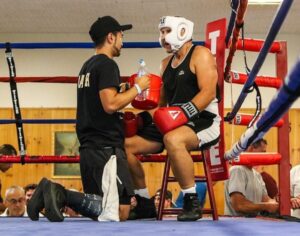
x: 150, y: 132
x: 207, y: 128
x: 92, y: 162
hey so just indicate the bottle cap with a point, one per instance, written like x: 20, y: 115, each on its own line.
x: 142, y: 62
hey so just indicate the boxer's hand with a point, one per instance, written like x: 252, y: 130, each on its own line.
x: 133, y: 123
x: 143, y: 119
x: 130, y: 124
x: 169, y: 118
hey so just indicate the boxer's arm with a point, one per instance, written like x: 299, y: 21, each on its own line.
x: 134, y: 122
x: 203, y: 64
x: 163, y: 65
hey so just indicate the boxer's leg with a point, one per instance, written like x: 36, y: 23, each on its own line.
x: 147, y: 141
x: 178, y: 144
x: 89, y: 205
x: 134, y: 146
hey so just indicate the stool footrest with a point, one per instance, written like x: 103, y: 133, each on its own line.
x: 197, y: 179
x: 171, y: 211
x: 206, y: 178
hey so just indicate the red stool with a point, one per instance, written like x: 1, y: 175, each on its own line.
x: 205, y: 154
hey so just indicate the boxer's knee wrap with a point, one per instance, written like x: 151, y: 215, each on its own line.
x: 176, y: 38
x: 91, y: 206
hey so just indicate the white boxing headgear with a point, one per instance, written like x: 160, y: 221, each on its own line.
x: 176, y: 24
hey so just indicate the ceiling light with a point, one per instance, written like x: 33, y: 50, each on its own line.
x: 264, y: 2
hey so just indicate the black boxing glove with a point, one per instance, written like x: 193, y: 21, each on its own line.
x: 143, y: 119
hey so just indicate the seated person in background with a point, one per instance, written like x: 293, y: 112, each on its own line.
x: 29, y: 190
x: 168, y: 200
x: 201, y: 190
x: 5, y: 149
x: 246, y: 194
x: 15, y: 202
x: 261, y: 146
x: 295, y: 191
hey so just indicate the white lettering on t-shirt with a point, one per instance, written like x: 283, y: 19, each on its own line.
x: 87, y: 80
x: 84, y: 81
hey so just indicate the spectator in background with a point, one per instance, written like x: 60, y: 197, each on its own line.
x: 29, y: 190
x: 261, y: 146
x: 15, y: 202
x: 245, y: 190
x: 246, y: 193
x: 295, y: 191
x: 7, y: 150
x: 168, y: 200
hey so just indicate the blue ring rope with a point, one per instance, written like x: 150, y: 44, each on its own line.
x: 235, y: 4
x: 275, y: 27
x: 38, y: 121
x: 60, y: 45
x: 281, y: 102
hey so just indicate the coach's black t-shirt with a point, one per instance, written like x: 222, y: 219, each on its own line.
x: 95, y: 128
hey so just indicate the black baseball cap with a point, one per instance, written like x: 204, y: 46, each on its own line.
x: 104, y: 25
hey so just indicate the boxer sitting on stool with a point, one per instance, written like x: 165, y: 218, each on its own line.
x: 191, y: 120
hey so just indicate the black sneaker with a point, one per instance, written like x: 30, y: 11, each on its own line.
x: 55, y: 200
x: 36, y: 203
x: 132, y: 215
x: 191, y: 208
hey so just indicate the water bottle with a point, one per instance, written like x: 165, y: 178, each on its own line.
x: 149, y: 98
x: 142, y: 68
x: 141, y: 72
